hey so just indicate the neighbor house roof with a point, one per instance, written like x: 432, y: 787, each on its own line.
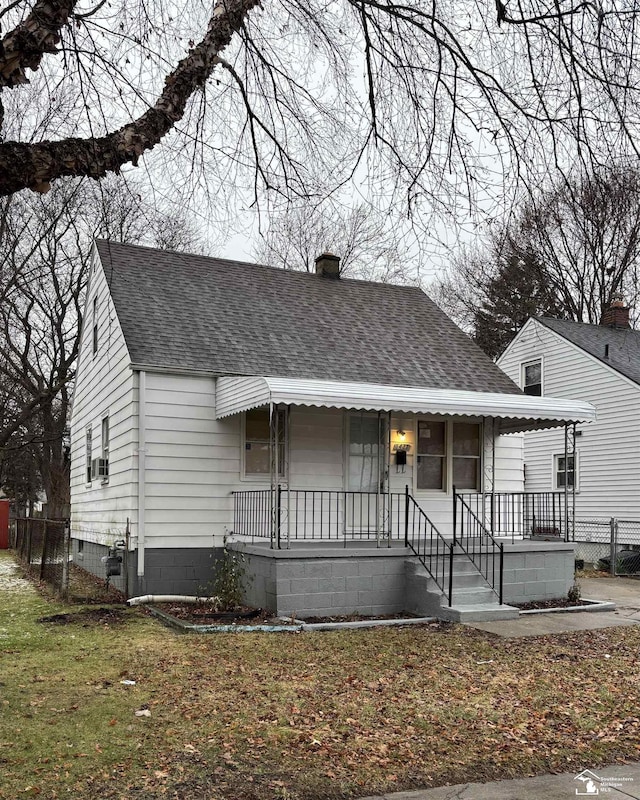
x: 190, y: 312
x: 619, y: 348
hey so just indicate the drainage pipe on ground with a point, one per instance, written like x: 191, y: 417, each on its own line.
x: 169, y: 598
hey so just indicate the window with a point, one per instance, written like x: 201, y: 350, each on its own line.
x: 256, y: 442
x: 466, y: 456
x: 532, y: 378
x: 564, y: 471
x: 95, y: 325
x: 431, y: 455
x: 88, y: 452
x: 448, y: 454
x: 104, y: 467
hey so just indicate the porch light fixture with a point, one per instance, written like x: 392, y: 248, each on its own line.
x: 402, y: 435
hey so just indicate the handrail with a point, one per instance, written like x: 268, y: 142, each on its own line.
x: 432, y: 549
x: 478, y: 544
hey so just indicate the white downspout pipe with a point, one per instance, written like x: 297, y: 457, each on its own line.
x: 142, y: 444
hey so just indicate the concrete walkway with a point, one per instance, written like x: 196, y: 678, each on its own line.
x: 624, y: 592
x: 618, y: 782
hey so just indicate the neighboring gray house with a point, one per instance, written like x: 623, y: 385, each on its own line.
x: 323, y: 421
x: 599, y: 364
x: 595, y: 363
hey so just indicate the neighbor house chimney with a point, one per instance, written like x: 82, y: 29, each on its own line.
x: 328, y: 265
x: 617, y: 315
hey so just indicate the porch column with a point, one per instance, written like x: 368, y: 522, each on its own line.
x: 274, y: 472
x: 488, y: 471
x: 569, y: 491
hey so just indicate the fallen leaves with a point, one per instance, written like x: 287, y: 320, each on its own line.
x: 350, y: 713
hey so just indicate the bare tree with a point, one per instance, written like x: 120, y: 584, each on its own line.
x: 45, y: 256
x: 565, y: 253
x: 367, y: 243
x: 449, y: 90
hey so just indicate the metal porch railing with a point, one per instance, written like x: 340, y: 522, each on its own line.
x: 283, y: 515
x: 478, y: 544
x: 522, y: 515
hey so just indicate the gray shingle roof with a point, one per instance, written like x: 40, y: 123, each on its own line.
x: 624, y: 343
x: 197, y: 313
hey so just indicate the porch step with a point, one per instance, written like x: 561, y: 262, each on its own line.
x: 478, y: 612
x: 473, y: 598
x: 474, y: 595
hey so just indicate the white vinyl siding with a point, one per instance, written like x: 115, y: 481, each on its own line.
x: 104, y: 386
x: 192, y: 463
x: 609, y: 480
x: 509, y: 463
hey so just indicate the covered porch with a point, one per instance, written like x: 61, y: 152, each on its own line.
x: 415, y: 483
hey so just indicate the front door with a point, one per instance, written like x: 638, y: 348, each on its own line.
x: 365, y: 474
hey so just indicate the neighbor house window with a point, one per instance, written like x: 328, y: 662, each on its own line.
x: 104, y: 466
x: 564, y: 471
x: 257, y: 436
x: 88, y: 453
x: 95, y: 325
x: 448, y: 454
x: 532, y: 378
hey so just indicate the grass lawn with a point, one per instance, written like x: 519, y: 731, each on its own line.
x: 311, y: 715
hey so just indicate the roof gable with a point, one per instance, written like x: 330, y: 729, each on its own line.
x: 190, y: 312
x: 618, y: 348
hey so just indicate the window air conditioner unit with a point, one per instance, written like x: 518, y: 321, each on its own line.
x: 99, y: 468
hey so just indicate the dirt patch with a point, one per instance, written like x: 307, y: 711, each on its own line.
x: 84, y: 587
x: 86, y: 617
x: 207, y: 614
x: 562, y: 602
x: 357, y: 618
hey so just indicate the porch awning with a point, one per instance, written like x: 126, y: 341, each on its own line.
x: 517, y: 412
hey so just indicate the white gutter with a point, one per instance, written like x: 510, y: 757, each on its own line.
x: 142, y: 444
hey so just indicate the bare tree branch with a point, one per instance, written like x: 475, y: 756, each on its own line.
x: 24, y: 47
x: 34, y: 166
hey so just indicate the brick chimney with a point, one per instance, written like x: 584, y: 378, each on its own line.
x: 617, y: 315
x: 328, y: 265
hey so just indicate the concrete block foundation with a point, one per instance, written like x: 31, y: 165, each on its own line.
x: 321, y: 579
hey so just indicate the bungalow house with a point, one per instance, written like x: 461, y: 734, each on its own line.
x: 599, y: 364
x: 345, y: 433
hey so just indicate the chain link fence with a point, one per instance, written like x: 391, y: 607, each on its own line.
x: 42, y: 545
x: 609, y: 544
